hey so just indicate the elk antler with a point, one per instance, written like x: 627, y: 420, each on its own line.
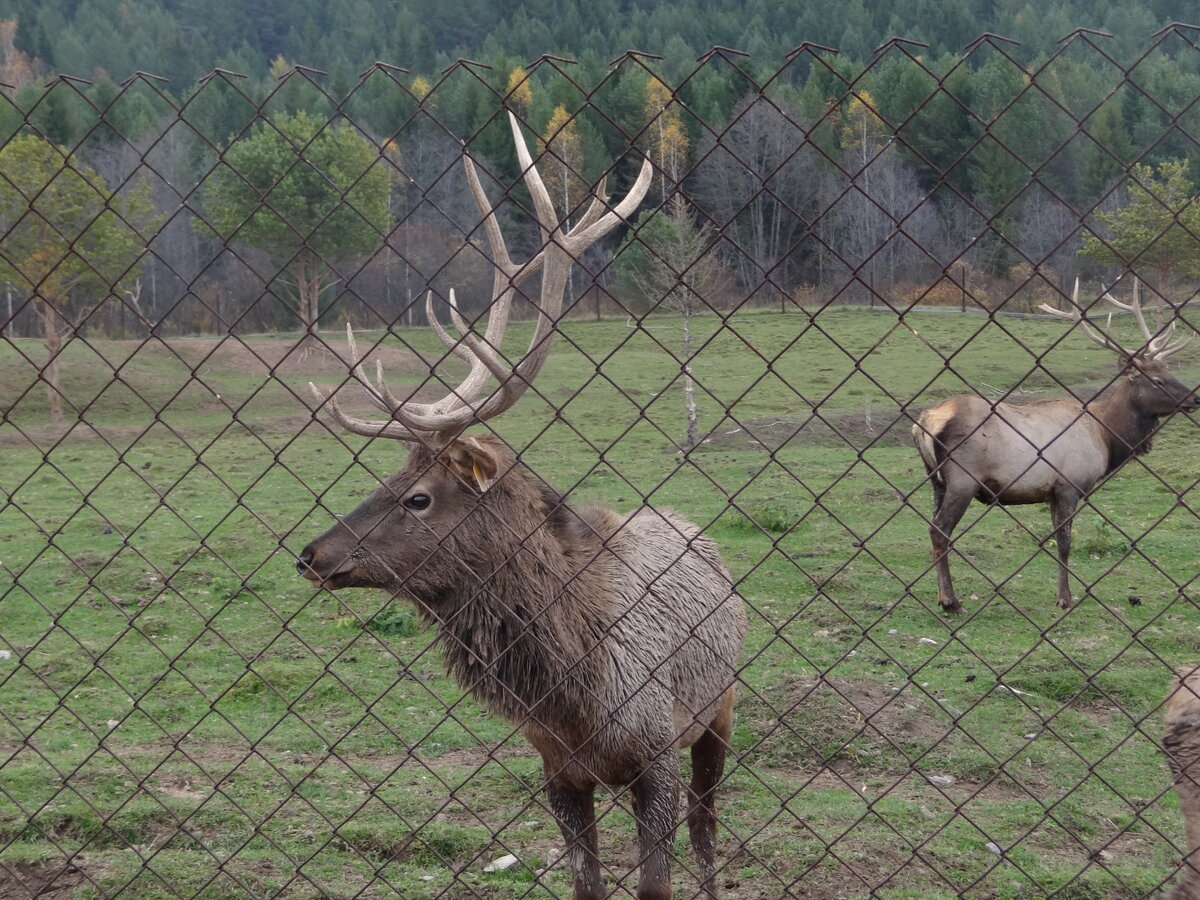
x: 1158, y: 346
x: 467, y: 402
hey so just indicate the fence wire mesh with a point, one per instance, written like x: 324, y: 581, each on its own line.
x: 824, y: 252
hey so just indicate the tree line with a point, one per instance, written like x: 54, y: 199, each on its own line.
x: 279, y: 203
x: 184, y: 39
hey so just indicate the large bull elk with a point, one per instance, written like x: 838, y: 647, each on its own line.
x: 611, y: 641
x: 1048, y: 451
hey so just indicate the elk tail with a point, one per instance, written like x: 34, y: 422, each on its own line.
x: 926, y: 433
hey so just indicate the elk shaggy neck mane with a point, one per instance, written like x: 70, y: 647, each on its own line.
x: 524, y: 629
x: 1127, y: 431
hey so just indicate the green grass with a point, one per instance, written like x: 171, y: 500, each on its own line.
x: 182, y: 715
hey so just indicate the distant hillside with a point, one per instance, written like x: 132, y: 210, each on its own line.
x: 183, y: 39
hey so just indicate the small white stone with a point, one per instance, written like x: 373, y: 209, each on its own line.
x: 893, y: 631
x: 5, y: 654
x: 427, y: 878
x: 113, y: 723
x: 927, y: 642
x: 942, y: 780
x: 1030, y: 736
x: 499, y: 865
x: 993, y: 848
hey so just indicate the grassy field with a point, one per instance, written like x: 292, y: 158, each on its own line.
x: 180, y: 715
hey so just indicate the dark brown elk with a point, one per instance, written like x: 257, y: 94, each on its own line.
x: 1182, y: 744
x: 1048, y: 451
x: 611, y: 641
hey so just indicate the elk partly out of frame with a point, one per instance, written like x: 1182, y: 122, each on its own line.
x: 1182, y: 744
x: 1051, y: 451
x: 611, y: 641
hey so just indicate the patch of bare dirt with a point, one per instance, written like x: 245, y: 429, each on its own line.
x: 52, y: 880
x: 877, y: 708
x: 846, y: 724
x: 43, y: 437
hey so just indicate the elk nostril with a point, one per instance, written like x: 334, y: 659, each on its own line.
x: 304, y: 563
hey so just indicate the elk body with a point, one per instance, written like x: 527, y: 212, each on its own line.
x: 611, y: 641
x: 1049, y: 451
x: 1182, y: 744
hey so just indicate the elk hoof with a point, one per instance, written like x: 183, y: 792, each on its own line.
x: 1064, y: 603
x: 951, y: 606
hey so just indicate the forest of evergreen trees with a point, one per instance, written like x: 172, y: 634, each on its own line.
x: 925, y: 172
x: 183, y: 39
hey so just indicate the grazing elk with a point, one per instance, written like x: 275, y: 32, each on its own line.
x: 611, y: 641
x: 1182, y: 743
x: 1048, y: 451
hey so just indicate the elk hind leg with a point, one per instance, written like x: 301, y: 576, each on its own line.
x: 949, y: 506
x: 575, y: 810
x: 655, y: 807
x: 1062, y: 516
x: 708, y: 765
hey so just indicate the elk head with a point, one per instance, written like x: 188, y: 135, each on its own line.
x: 418, y: 532
x: 1152, y: 390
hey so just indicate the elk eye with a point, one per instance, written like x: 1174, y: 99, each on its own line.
x: 418, y: 501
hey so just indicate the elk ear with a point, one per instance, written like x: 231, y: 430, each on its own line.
x: 473, y: 460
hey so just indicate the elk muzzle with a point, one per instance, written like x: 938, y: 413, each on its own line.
x: 328, y: 564
x: 304, y: 564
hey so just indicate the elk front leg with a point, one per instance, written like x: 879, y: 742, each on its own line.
x: 655, y: 807
x: 708, y: 764
x: 1062, y: 513
x: 949, y: 506
x: 575, y: 810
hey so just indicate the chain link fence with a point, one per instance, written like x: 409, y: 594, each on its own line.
x: 824, y: 252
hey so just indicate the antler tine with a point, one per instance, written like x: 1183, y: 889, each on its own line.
x: 1075, y: 315
x: 1161, y: 347
x: 380, y: 396
x: 543, y: 206
x: 587, y: 232
x: 1158, y: 346
x: 482, y: 354
x: 555, y: 259
x: 1135, y: 307
x: 508, y: 276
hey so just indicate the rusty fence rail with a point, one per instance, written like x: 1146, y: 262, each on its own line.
x: 181, y: 715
